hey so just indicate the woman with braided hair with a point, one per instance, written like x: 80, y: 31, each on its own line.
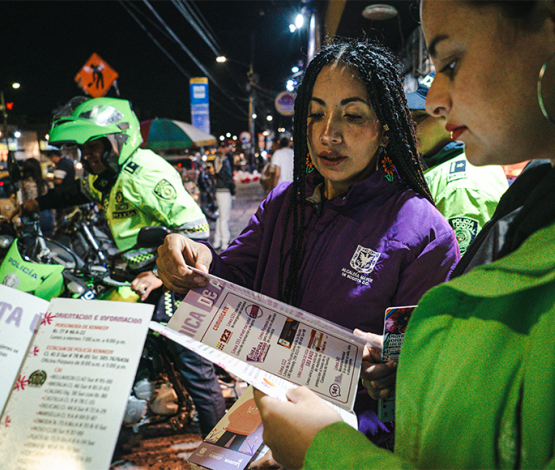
x: 356, y: 232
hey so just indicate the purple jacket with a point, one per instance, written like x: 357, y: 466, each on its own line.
x: 379, y: 245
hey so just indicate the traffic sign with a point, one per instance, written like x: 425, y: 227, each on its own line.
x: 96, y: 77
x: 245, y: 137
x: 285, y: 102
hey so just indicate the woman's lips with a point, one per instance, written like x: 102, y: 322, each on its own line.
x: 456, y: 131
x: 330, y: 159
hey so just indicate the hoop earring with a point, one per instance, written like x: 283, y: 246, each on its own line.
x: 540, y: 83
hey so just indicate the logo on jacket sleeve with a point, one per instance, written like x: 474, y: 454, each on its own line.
x: 457, y: 170
x: 466, y: 230
x: 165, y: 190
x: 364, y: 260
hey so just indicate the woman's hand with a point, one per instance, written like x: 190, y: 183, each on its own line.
x: 377, y: 378
x: 290, y: 427
x: 174, y: 258
x: 145, y: 283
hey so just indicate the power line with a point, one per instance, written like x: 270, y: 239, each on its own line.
x: 179, y: 67
x: 201, y: 28
x: 189, y: 53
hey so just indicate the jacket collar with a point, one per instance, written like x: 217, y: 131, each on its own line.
x: 375, y: 187
x: 450, y: 151
x: 531, y: 265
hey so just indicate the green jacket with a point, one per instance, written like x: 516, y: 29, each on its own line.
x: 466, y: 195
x: 476, y: 377
x: 148, y: 191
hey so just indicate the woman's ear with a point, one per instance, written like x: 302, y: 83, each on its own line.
x: 548, y: 9
x: 385, y: 140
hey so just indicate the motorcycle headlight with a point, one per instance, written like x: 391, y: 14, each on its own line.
x: 75, y: 288
x: 6, y: 241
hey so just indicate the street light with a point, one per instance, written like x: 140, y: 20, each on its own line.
x: 5, y: 111
x: 379, y: 12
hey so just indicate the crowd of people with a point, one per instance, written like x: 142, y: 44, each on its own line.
x: 371, y: 204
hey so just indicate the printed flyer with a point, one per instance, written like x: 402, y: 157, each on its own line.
x: 272, y: 336
x: 20, y: 314
x: 68, y: 401
x: 234, y: 441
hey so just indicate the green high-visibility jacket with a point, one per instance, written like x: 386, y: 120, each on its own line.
x: 476, y: 377
x: 147, y: 191
x: 465, y: 194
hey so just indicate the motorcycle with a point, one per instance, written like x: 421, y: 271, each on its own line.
x: 46, y: 268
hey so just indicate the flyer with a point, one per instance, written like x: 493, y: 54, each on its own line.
x: 234, y: 441
x: 68, y: 401
x: 287, y: 342
x: 19, y: 316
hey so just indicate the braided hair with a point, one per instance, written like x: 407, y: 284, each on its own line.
x: 380, y: 72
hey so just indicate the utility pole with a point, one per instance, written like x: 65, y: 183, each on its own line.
x: 252, y: 97
x: 5, y: 114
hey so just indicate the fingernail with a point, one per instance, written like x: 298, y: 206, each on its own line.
x: 201, y: 267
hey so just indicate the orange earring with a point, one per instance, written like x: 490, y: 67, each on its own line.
x: 309, y: 164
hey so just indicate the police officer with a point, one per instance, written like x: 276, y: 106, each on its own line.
x: 136, y: 188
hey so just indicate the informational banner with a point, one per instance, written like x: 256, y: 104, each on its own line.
x: 20, y: 314
x: 67, y: 403
x: 200, y: 112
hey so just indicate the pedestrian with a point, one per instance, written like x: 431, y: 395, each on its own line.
x: 282, y: 161
x: 34, y: 185
x: 137, y: 189
x: 356, y: 231
x: 64, y: 169
x: 477, y: 368
x: 465, y: 194
x: 64, y: 178
x: 225, y: 190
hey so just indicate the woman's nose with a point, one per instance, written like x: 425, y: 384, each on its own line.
x: 438, y: 101
x: 331, y: 133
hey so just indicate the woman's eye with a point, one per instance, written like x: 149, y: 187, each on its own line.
x: 449, y: 69
x: 315, y: 115
x: 353, y: 117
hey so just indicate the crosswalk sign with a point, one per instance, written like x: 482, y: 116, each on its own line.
x: 96, y: 77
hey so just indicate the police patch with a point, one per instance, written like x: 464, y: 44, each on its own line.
x: 165, y: 190
x: 364, y: 260
x: 466, y: 230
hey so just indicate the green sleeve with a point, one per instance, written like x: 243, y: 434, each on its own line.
x: 162, y: 196
x: 339, y: 446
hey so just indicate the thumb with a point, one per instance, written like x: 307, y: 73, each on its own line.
x: 298, y: 394
x: 372, y: 340
x: 204, y: 259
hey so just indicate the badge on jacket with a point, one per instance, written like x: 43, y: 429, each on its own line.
x: 165, y: 190
x: 466, y: 230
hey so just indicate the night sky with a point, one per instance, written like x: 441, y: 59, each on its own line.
x: 45, y: 44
